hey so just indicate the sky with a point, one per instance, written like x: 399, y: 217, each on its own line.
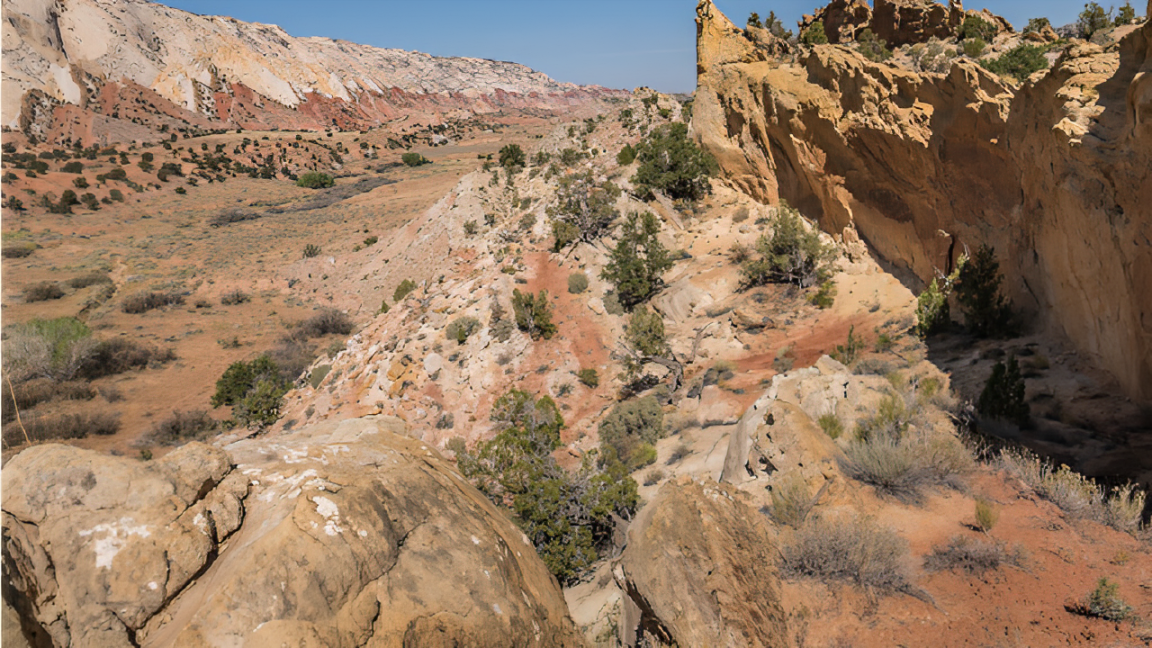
x: 613, y: 43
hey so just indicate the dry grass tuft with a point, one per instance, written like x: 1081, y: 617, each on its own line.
x: 852, y: 549
x: 1075, y: 494
x: 972, y: 556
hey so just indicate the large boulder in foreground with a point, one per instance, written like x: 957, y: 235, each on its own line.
x: 700, y: 570
x: 341, y: 534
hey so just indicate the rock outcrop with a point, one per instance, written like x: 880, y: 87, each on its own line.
x: 897, y: 22
x: 342, y: 534
x: 1053, y: 174
x: 842, y: 19
x: 110, y: 58
x: 700, y: 569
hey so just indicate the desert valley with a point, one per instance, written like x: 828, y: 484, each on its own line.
x: 313, y: 343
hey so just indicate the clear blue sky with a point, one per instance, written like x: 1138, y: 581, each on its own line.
x: 614, y: 43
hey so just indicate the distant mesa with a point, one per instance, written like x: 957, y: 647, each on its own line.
x: 124, y: 69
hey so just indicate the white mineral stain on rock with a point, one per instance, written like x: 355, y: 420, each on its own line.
x: 116, y: 536
x: 329, y: 511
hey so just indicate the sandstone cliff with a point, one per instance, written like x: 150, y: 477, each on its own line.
x: 1054, y: 173
x: 341, y: 534
x: 112, y: 58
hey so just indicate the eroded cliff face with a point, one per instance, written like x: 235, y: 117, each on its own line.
x: 1053, y: 174
x: 212, y: 71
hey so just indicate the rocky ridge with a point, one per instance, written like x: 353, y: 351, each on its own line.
x: 922, y: 165
x: 122, y: 70
x: 698, y: 563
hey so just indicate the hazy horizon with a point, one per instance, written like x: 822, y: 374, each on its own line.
x: 612, y: 43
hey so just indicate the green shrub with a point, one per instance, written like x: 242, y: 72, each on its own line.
x: 814, y: 35
x: 831, y: 425
x: 43, y: 291
x: 672, y: 163
x: 470, y: 228
x: 1019, y: 62
x: 1125, y: 16
x: 80, y: 182
x: 73, y: 167
x: 1003, y: 395
x: 793, y: 254
x: 1092, y: 20
x: 584, y: 209
x: 577, y: 283
x: 569, y: 518
x: 974, y: 47
x: 850, y: 350
x: 414, y: 159
x: 977, y: 27
x: 636, y: 265
x: 533, y: 314
x: 512, y: 156
x: 1104, y: 602
x: 850, y: 549
x: 462, y: 327
x: 626, y: 156
x: 986, y: 515
x: 254, y: 389
x: 776, y: 27
x: 311, y: 251
x: 406, y: 286
x: 373, y: 240
x: 932, y: 310
x: 1037, y: 25
x: 589, y: 377
x: 825, y: 296
x: 645, y: 333
x: 872, y: 47
x: 632, y: 429
x: 986, y: 311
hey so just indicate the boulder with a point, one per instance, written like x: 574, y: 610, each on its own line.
x: 340, y: 534
x: 699, y: 570
x: 902, y: 22
x: 842, y: 19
